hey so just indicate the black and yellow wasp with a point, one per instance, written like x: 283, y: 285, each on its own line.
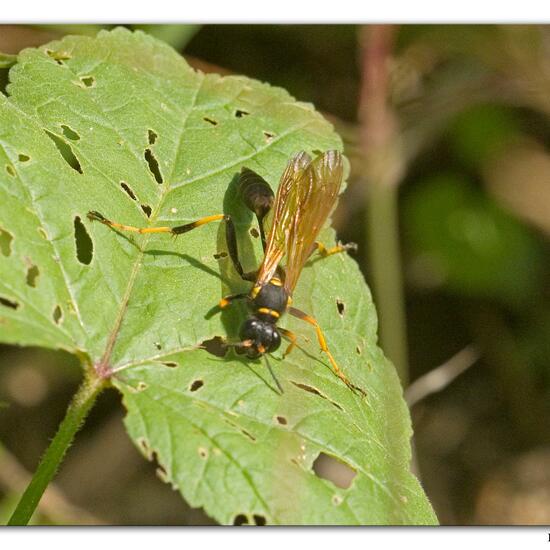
x: 306, y: 196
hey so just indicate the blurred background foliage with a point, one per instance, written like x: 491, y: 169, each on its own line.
x: 463, y: 140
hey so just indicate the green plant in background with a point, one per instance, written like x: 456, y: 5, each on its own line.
x: 462, y: 241
x: 121, y: 124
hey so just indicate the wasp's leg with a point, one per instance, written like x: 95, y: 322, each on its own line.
x: 226, y: 300
x: 322, y: 343
x: 178, y: 230
x: 257, y: 195
x: 240, y: 347
x: 233, y: 249
x: 324, y: 251
x: 290, y: 336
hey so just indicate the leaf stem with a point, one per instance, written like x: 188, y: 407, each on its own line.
x: 81, y: 404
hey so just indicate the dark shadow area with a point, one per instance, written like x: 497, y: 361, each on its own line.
x: 191, y: 260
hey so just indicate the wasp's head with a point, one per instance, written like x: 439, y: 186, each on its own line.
x: 264, y: 337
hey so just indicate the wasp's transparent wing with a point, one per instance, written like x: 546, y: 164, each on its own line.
x: 318, y: 191
x: 281, y: 218
x: 306, y: 195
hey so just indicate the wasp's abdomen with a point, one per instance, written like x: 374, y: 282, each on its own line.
x: 255, y: 192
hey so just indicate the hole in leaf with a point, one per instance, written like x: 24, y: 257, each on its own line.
x: 153, y: 165
x: 69, y: 133
x: 281, y: 420
x: 170, y: 364
x: 83, y: 241
x: 151, y: 136
x: 333, y: 470
x: 254, y: 232
x: 220, y: 255
x: 203, y: 453
x: 315, y: 391
x: 88, y: 81
x: 196, y: 385
x: 259, y: 520
x: 341, y: 307
x: 337, y: 500
x: 248, y: 434
x: 6, y: 239
x: 128, y: 190
x: 146, y: 209
x: 142, y: 386
x: 358, y: 350
x: 158, y: 346
x: 307, y: 388
x: 32, y: 275
x: 239, y: 113
x: 240, y: 519
x: 59, y: 57
x: 210, y: 121
x: 216, y: 346
x: 23, y: 158
x: 10, y: 170
x: 66, y: 152
x: 268, y: 136
x: 12, y: 304
x: 57, y: 314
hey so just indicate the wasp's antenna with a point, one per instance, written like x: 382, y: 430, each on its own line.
x: 273, y: 374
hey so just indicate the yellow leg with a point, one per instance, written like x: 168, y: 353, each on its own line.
x: 324, y: 251
x: 226, y: 300
x: 322, y: 343
x: 178, y: 230
x: 291, y: 336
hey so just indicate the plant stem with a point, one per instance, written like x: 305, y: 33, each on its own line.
x: 76, y: 413
x: 54, y: 504
x: 384, y: 168
x: 385, y: 260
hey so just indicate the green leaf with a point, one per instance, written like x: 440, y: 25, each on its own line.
x: 7, y: 60
x: 461, y: 240
x: 121, y: 124
x: 482, y: 132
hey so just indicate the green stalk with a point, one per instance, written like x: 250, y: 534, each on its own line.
x: 385, y: 264
x: 384, y: 169
x: 76, y: 413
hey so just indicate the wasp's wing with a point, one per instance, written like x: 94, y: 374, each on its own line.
x: 306, y: 195
x: 317, y: 193
x: 281, y: 217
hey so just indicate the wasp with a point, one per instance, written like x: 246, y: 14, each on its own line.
x: 306, y: 195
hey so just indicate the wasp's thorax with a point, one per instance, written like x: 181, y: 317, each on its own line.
x: 268, y: 303
x: 271, y: 299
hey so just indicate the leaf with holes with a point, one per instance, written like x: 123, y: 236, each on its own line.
x: 122, y: 125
